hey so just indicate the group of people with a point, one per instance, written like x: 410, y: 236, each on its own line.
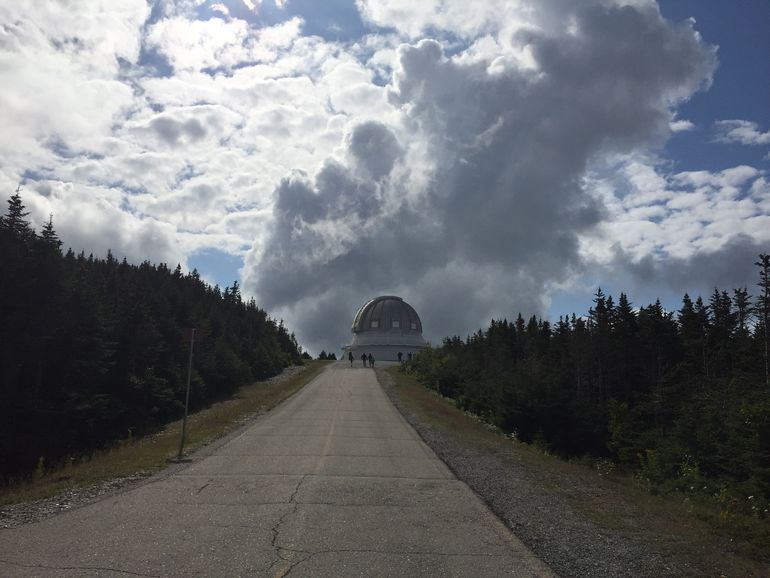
x: 370, y: 358
x: 364, y: 358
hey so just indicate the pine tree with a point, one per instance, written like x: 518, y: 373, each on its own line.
x: 626, y: 332
x: 91, y: 346
x: 697, y: 393
x: 15, y: 220
x: 49, y: 236
x: 579, y: 348
x: 723, y: 321
x: 702, y: 315
x: 742, y: 336
x: 763, y: 304
x: 691, y: 334
x: 600, y: 317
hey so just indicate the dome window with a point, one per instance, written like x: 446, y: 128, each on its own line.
x: 414, y: 326
x: 374, y: 324
x: 396, y: 324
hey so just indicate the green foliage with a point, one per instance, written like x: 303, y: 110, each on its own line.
x: 96, y: 348
x: 650, y: 469
x: 689, y: 477
x: 622, y: 440
x: 680, y: 400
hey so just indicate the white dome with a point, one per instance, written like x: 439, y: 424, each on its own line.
x: 385, y: 326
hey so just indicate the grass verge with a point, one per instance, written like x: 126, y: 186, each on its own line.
x: 692, y: 534
x: 148, y: 454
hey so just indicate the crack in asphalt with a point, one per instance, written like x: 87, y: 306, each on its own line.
x: 98, y: 568
x: 276, y: 530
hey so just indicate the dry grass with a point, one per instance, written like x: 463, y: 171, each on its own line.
x: 148, y: 454
x: 672, y: 525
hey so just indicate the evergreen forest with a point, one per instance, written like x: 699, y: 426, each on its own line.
x: 95, y: 350
x: 681, y: 398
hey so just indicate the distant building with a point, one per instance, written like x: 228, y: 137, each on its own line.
x: 384, y: 327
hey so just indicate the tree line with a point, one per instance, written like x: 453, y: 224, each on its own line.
x: 681, y: 398
x: 93, y: 350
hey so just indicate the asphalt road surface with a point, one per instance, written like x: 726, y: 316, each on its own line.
x: 333, y: 482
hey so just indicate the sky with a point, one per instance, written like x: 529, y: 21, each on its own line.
x: 479, y: 159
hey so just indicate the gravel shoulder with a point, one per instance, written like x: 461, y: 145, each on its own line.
x: 577, y: 521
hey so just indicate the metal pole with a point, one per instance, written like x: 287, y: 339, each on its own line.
x: 187, y: 395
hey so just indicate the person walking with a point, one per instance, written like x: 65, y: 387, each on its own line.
x: 400, y: 355
x: 371, y: 361
x: 363, y: 358
x: 350, y: 358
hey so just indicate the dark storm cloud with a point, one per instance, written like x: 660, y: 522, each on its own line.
x: 729, y: 267
x: 375, y: 148
x: 498, y: 218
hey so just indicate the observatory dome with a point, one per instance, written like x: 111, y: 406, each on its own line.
x: 385, y: 326
x: 387, y: 313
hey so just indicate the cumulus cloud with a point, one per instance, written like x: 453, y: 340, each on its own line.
x: 688, y: 231
x: 741, y: 132
x: 483, y: 208
x: 191, y: 45
x: 471, y: 157
x: 252, y: 4
x: 91, y: 219
x: 221, y: 8
x: 61, y: 88
x: 182, y: 152
x: 681, y: 125
x: 726, y: 267
x: 183, y: 126
x: 64, y: 92
x: 413, y: 19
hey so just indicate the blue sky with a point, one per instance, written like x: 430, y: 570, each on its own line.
x: 478, y: 159
x: 335, y: 20
x: 741, y: 86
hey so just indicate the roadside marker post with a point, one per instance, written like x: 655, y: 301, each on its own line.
x: 187, y: 396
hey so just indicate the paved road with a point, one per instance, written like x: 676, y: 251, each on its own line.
x: 333, y: 482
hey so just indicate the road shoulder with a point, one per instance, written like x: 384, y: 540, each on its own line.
x: 578, y: 522
x: 35, y: 510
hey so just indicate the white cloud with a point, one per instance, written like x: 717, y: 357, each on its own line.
x: 741, y: 132
x: 438, y: 169
x: 61, y: 89
x: 732, y: 177
x: 678, y: 216
x: 192, y: 45
x: 486, y: 193
x: 252, y: 5
x: 74, y: 115
x: 221, y: 8
x: 681, y: 125
x: 467, y: 19
x: 91, y: 219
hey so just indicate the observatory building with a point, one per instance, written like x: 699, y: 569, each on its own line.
x: 384, y: 327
